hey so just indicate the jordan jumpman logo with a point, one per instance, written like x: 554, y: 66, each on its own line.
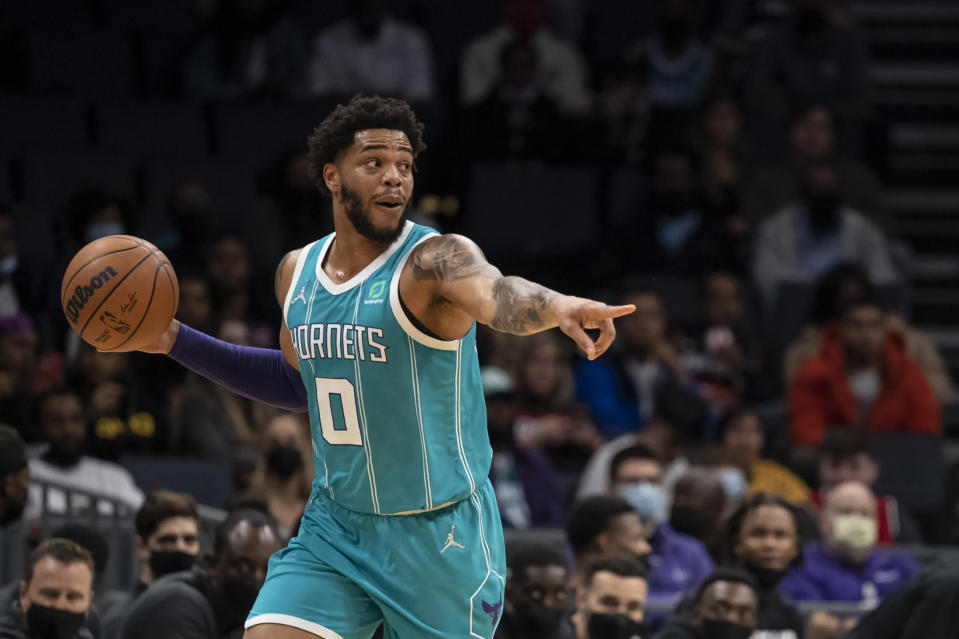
x: 301, y: 297
x: 450, y: 541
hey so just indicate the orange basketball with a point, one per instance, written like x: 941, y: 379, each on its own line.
x: 119, y: 291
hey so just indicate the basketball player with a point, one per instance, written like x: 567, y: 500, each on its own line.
x: 402, y: 526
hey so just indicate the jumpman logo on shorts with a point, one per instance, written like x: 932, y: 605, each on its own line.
x: 450, y: 541
x: 301, y: 297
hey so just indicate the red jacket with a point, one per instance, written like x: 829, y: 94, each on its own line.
x: 820, y: 396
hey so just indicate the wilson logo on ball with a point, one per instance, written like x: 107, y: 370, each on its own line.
x: 82, y: 294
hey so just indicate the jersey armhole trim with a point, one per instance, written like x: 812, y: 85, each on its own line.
x: 297, y: 271
x: 401, y: 317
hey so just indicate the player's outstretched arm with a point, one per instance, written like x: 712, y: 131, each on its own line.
x: 460, y: 277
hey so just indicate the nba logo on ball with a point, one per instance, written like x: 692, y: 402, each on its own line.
x: 119, y: 291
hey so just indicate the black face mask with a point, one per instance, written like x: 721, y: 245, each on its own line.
x: 52, y: 623
x: 164, y: 562
x: 233, y: 599
x: 721, y: 629
x: 65, y: 456
x: 689, y: 521
x: 12, y: 512
x: 823, y: 211
x: 605, y: 626
x: 537, y: 620
x: 767, y: 578
x: 284, y: 461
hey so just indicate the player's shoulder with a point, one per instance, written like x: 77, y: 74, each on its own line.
x: 283, y: 278
x: 445, y: 244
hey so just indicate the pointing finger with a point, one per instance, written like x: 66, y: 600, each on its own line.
x: 617, y: 311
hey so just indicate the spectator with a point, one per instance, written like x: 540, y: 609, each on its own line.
x: 721, y: 354
x: 237, y: 295
x: 19, y: 370
x: 213, y: 599
x: 762, y: 538
x: 808, y: 237
x: 844, y: 456
x: 677, y: 562
x: 742, y: 432
x: 725, y: 606
x: 55, y: 594
x: 189, y: 209
x: 196, y: 302
x: 601, y: 526
x: 847, y: 566
x: 835, y: 289
x: 620, y: 387
x: 94, y: 212
x: 285, y: 471
x: 516, y: 120
x: 167, y: 541
x: 250, y: 49
x: 537, y: 596
x: 862, y: 378
x: 62, y: 425
x: 14, y: 476
x: 523, y: 477
x: 772, y: 185
x: 625, y: 108
x: 698, y: 505
x: 21, y: 287
x: 611, y: 600
x: 561, y: 70
x: 372, y: 52
x: 814, y: 56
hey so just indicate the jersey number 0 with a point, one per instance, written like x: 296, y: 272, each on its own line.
x: 331, y: 391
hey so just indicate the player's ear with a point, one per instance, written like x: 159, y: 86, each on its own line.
x: 331, y: 176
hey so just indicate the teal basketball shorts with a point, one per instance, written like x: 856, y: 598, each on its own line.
x: 436, y: 574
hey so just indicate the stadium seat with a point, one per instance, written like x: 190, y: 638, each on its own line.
x: 266, y: 129
x: 911, y: 469
x: 30, y: 123
x: 81, y: 62
x: 535, y: 210
x: 626, y: 194
x: 163, y: 127
x: 208, y: 480
x: 168, y: 16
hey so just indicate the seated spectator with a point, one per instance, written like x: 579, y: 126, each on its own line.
x: 834, y: 290
x: 372, y: 52
x: 195, y: 308
x: 167, y: 541
x: 523, y: 477
x: 620, y: 387
x: 724, y: 606
x: 762, y: 538
x: 192, y: 217
x: 809, y: 236
x: 14, y: 476
x: 537, y: 602
x: 601, y: 526
x: 742, y: 432
x: 213, y: 599
x: 19, y: 371
x: 844, y: 456
x: 862, y: 378
x: 814, y: 56
x: 55, y: 594
x: 611, y: 599
x: 250, y: 49
x: 677, y: 562
x: 561, y: 70
x: 548, y: 414
x: 772, y: 185
x: 238, y: 294
x: 21, y: 285
x: 625, y: 107
x: 846, y: 566
x: 698, y: 505
x: 64, y: 465
x: 721, y: 354
x: 516, y: 121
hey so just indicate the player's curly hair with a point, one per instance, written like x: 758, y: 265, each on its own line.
x: 336, y: 132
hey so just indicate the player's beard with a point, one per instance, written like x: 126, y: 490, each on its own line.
x: 360, y: 218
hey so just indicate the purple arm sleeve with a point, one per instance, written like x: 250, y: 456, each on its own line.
x: 262, y: 374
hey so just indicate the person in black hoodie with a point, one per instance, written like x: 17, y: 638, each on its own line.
x: 724, y: 606
x: 762, y: 537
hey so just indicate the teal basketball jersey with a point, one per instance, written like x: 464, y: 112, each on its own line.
x: 397, y: 416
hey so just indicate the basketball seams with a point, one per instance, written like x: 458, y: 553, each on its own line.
x: 146, y: 311
x: 66, y: 285
x: 94, y: 312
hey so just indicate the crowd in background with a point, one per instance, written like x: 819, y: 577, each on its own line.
x: 707, y: 464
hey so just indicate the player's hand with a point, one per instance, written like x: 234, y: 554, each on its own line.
x: 575, y: 315
x: 162, y: 344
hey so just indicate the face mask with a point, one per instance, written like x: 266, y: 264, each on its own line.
x: 164, y: 562
x: 647, y: 500
x: 537, y: 620
x: 52, y: 623
x: 101, y: 229
x: 733, y: 481
x: 721, y: 629
x: 855, y: 531
x: 283, y: 461
x: 767, y: 578
x: 689, y: 521
x: 12, y: 512
x: 234, y: 600
x: 606, y: 626
x: 8, y: 265
x: 65, y: 456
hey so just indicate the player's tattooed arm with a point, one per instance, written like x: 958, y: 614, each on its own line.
x: 448, y: 258
x: 522, y: 307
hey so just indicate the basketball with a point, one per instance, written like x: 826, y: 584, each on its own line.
x: 119, y: 292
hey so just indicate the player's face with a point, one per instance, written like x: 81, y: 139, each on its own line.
x: 374, y: 183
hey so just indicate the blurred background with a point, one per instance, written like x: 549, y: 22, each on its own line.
x: 771, y: 182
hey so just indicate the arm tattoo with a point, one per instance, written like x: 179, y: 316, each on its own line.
x: 446, y: 258
x: 520, y: 305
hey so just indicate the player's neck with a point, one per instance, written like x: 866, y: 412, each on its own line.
x: 350, y: 253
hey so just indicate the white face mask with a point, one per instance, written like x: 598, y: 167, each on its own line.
x: 733, y: 481
x: 647, y: 500
x: 855, y: 531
